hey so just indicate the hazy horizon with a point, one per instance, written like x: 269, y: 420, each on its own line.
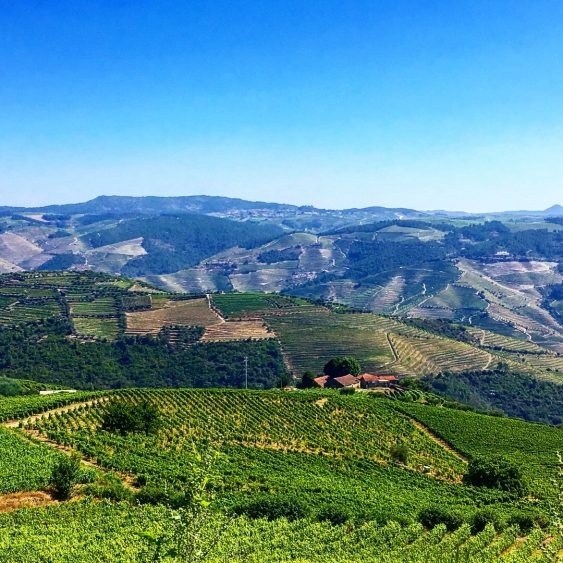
x: 395, y: 104
x: 76, y: 201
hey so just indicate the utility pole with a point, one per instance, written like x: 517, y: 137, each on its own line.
x: 246, y: 372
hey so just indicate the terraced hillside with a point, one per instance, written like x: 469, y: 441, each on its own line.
x: 494, y: 274
x: 319, y: 466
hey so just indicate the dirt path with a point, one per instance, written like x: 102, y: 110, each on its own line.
x: 214, y: 309
x: 438, y: 440
x: 14, y: 423
x: 393, y: 351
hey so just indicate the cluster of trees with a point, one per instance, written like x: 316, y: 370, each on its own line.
x: 274, y: 256
x: 517, y: 395
x: 43, y: 352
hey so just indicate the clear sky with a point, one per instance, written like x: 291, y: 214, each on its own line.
x: 423, y: 104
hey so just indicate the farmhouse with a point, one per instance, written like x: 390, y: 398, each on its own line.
x: 321, y: 381
x: 369, y: 381
x: 343, y: 382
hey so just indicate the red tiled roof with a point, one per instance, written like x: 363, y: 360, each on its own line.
x: 321, y: 381
x: 371, y: 377
x: 346, y: 380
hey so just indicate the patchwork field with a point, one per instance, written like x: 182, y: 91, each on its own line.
x: 237, y: 330
x: 191, y: 312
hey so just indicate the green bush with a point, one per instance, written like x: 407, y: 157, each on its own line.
x: 111, y: 487
x: 125, y: 417
x: 64, y: 476
x: 432, y: 516
x: 400, y: 453
x: 527, y: 519
x: 486, y: 516
x: 496, y: 473
x: 336, y: 515
x: 274, y: 507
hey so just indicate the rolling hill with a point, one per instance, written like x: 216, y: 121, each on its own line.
x: 495, y: 272
x: 308, y: 475
x: 96, y: 331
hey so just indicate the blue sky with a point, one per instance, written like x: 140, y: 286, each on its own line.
x: 423, y: 104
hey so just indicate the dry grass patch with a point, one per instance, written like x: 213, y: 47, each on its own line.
x: 237, y: 330
x: 194, y: 312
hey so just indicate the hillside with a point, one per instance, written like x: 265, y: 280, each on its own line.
x: 96, y: 331
x: 496, y: 272
x: 307, y: 475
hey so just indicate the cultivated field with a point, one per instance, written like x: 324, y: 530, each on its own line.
x: 191, y: 312
x: 237, y: 330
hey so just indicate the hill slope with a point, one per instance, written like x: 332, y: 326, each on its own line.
x: 322, y: 460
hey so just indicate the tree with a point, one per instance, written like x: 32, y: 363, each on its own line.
x: 400, y: 453
x: 307, y: 381
x: 64, y: 476
x: 496, y: 473
x: 125, y: 417
x: 342, y: 366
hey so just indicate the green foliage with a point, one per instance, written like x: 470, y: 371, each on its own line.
x: 400, y: 453
x: 518, y: 395
x: 126, y: 417
x: 307, y: 381
x: 487, y: 516
x: 496, y: 473
x: 343, y: 365
x: 433, y: 516
x: 274, y: 507
x: 65, y: 474
x: 141, y: 362
x: 24, y: 465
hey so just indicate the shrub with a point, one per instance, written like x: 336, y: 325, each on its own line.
x: 336, y: 515
x: 64, y: 476
x: 347, y: 391
x: 527, y: 519
x: 109, y: 487
x: 274, y: 507
x: 400, y: 453
x: 486, y: 516
x: 496, y: 473
x: 432, y: 516
x: 342, y: 366
x: 124, y: 418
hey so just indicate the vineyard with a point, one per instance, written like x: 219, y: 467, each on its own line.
x: 379, y: 343
x: 240, y: 305
x: 533, y: 446
x: 320, y: 449
x: 103, y: 531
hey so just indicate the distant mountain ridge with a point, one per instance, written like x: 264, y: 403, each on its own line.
x: 218, y: 204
